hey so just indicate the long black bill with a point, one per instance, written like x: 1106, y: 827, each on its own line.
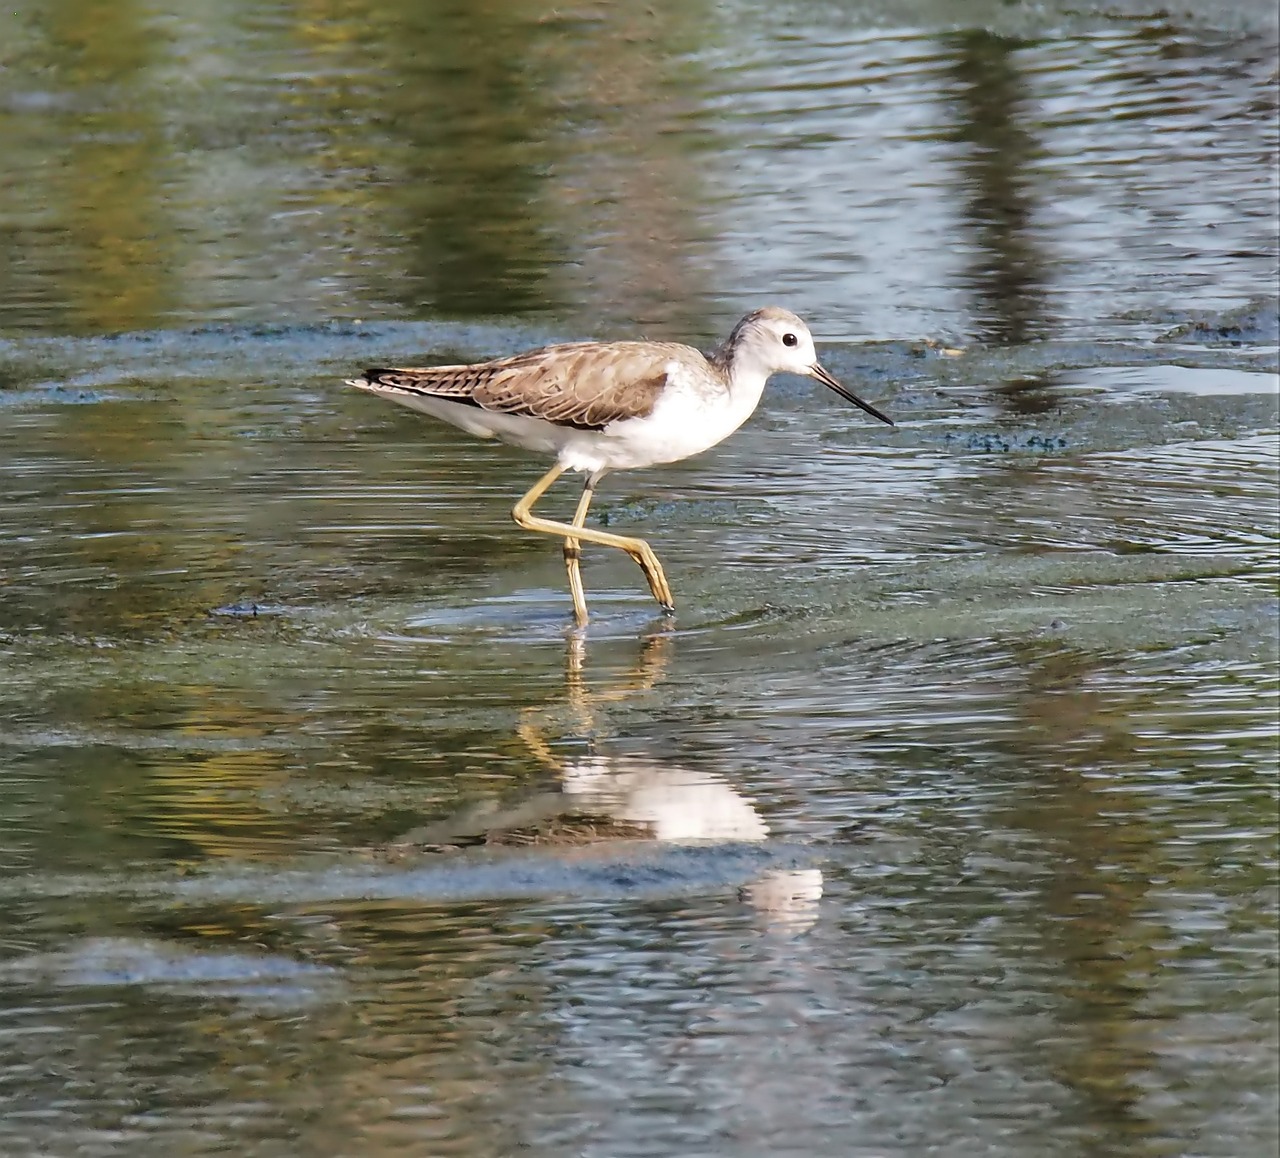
x: 822, y: 376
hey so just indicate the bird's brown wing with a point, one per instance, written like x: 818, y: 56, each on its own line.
x: 586, y: 384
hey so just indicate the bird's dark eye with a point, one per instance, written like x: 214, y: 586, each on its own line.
x: 790, y: 340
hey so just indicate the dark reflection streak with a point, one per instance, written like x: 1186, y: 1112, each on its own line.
x: 1007, y: 272
x: 102, y: 211
x: 1092, y: 935
x: 476, y: 134
x: 521, y: 161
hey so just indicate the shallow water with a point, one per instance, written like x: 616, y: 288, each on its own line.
x: 942, y: 818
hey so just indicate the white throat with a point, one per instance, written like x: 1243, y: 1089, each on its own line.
x: 747, y: 378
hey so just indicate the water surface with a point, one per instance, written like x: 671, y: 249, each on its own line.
x: 943, y: 817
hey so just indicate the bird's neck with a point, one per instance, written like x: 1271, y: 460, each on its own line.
x: 745, y: 376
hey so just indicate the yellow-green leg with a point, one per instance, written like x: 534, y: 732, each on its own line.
x: 575, y: 534
x: 573, y: 557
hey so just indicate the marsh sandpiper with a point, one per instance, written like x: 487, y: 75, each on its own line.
x: 604, y: 406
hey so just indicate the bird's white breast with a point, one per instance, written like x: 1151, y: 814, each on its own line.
x: 692, y: 414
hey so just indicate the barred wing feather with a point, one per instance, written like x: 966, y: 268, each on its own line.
x: 587, y: 384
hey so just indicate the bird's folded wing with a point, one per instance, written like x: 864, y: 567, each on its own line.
x: 586, y: 384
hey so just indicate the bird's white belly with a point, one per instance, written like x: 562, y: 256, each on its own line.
x: 515, y: 429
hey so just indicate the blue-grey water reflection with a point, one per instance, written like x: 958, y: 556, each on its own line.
x: 943, y: 819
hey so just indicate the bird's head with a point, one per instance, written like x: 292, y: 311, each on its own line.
x: 773, y: 340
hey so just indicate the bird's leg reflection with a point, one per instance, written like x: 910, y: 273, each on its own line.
x: 655, y: 655
x: 582, y: 702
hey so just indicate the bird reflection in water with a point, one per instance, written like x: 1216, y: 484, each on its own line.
x: 605, y: 798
